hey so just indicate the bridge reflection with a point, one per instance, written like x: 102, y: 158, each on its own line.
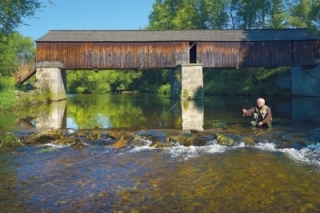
x: 189, y: 114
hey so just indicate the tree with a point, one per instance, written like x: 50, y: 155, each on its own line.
x: 278, y: 15
x: 305, y: 14
x: 173, y: 15
x: 213, y: 14
x: 315, y: 14
x: 12, y: 13
x: 15, y: 50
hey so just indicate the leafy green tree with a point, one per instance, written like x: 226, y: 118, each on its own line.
x: 300, y: 14
x: 12, y: 13
x: 278, y: 15
x: 305, y: 14
x: 253, y: 14
x: 212, y: 14
x: 103, y: 81
x: 15, y: 50
x: 188, y: 14
x: 315, y: 14
x: 173, y: 15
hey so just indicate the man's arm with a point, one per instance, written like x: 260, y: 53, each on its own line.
x: 248, y: 112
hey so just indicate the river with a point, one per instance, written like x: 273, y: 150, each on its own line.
x: 278, y: 172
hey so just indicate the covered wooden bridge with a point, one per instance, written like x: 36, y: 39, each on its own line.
x: 187, y: 51
x: 139, y: 49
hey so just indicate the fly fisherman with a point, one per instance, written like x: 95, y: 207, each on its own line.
x: 261, y: 114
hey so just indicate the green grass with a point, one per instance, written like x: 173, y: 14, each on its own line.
x: 7, y: 95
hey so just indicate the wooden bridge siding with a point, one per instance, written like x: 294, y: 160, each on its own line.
x: 86, y: 55
x: 306, y: 52
x: 244, y: 54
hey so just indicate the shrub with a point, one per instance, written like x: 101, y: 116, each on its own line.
x: 164, y: 89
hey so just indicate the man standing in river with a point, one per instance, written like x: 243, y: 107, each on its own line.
x: 261, y: 113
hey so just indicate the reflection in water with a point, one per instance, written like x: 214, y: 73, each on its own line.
x: 145, y: 111
x: 55, y: 118
x: 192, y: 115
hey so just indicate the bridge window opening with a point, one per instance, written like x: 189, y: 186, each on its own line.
x: 193, y: 52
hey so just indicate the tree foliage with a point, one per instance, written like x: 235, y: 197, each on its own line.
x: 104, y: 81
x: 234, y: 14
x: 15, y: 50
x: 12, y: 13
x: 305, y: 14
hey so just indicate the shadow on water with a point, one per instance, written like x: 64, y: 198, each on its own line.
x: 260, y: 177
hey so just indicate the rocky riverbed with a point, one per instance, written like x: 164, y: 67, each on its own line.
x: 162, y: 138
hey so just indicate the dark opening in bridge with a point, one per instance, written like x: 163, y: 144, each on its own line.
x: 193, y: 52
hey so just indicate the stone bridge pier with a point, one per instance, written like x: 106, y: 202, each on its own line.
x: 55, y: 78
x: 187, y: 82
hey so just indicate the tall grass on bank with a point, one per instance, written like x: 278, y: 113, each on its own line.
x: 7, y: 95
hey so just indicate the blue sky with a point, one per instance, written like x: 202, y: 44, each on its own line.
x: 88, y: 15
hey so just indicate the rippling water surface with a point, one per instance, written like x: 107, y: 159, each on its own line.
x: 279, y: 172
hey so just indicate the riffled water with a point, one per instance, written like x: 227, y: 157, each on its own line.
x: 278, y: 172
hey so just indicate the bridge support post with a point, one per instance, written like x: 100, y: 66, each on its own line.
x: 306, y: 80
x: 55, y: 79
x: 187, y: 82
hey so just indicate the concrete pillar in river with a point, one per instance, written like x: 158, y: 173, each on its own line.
x: 187, y: 82
x: 55, y: 79
x: 306, y: 80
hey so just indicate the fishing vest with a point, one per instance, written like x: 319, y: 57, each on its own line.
x: 262, y: 113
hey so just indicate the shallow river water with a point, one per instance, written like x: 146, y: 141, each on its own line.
x: 278, y: 172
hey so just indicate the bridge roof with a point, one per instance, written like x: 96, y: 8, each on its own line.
x: 175, y: 35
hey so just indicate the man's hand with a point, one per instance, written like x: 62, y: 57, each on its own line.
x: 244, y: 111
x: 260, y: 123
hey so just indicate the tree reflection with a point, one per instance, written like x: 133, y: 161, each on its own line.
x: 130, y: 111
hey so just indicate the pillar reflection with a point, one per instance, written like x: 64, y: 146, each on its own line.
x: 192, y: 114
x: 55, y: 118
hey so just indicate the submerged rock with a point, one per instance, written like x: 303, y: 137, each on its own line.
x: 139, y: 142
x: 78, y: 144
x: 121, y: 143
x: 47, y: 136
x: 50, y: 136
x: 94, y: 136
x: 202, y: 140
x: 161, y: 144
x: 228, y: 139
x: 184, y: 140
x: 114, y: 134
